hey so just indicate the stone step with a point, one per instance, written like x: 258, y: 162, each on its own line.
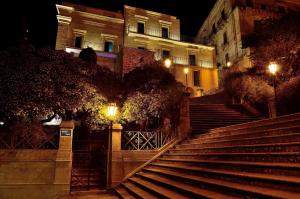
x: 123, y: 193
x: 155, y: 189
x: 241, y: 129
x: 279, y: 122
x: 292, y: 137
x: 290, y: 169
x: 137, y: 192
x: 288, y: 183
x: 190, y: 190
x: 257, y: 133
x: 251, y: 148
x: 252, y: 157
x: 220, y: 184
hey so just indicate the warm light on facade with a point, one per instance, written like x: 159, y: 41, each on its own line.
x: 168, y: 63
x: 112, y: 110
x: 186, y: 70
x: 273, y: 68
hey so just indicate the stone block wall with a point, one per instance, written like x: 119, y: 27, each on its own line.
x: 133, y: 57
x: 32, y: 174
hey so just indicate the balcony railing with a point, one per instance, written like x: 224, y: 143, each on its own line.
x: 154, y: 32
x: 146, y: 140
x: 186, y: 62
x: 76, y: 51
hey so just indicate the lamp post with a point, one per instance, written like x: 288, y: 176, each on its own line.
x: 273, y: 68
x: 186, y: 71
x: 111, y: 113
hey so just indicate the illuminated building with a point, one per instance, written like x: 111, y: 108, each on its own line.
x: 138, y: 36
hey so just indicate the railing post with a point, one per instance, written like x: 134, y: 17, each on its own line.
x: 63, y: 166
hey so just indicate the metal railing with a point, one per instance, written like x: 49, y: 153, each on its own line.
x: 154, y: 32
x: 146, y: 140
x: 29, y: 141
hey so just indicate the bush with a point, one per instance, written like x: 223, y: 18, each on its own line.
x: 288, y: 96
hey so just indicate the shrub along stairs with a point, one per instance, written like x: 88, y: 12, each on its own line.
x: 259, y: 159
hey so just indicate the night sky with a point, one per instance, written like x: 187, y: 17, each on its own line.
x: 39, y: 17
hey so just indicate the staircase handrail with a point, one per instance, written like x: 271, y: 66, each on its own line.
x: 162, y: 150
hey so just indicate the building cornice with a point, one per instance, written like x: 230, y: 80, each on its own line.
x: 170, y: 41
x: 59, y: 8
x: 63, y: 19
x: 100, y: 17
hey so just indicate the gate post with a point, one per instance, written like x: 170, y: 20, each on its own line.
x: 63, y: 167
x: 117, y: 160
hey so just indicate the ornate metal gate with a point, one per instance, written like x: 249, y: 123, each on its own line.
x: 89, y: 160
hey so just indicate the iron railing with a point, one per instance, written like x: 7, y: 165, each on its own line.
x: 29, y: 141
x: 146, y: 140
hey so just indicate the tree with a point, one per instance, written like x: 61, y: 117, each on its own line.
x: 38, y: 83
x: 89, y: 55
x: 277, y: 40
x: 156, y: 95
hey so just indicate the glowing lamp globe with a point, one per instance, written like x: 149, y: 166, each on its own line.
x: 186, y: 70
x: 273, y: 68
x: 167, y: 63
x: 228, y: 64
x: 112, y: 109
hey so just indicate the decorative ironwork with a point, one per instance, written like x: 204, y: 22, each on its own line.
x: 89, y: 160
x: 29, y: 141
x: 146, y: 140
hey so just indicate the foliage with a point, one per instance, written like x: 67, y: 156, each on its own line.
x: 277, y: 40
x: 247, y: 87
x: 36, y: 84
x: 89, y: 55
x: 157, y: 95
x: 289, y: 96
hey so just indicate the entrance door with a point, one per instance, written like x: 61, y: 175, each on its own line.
x: 89, y: 160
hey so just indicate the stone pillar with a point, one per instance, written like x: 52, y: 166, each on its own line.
x: 272, y: 108
x: 62, y: 32
x: 117, y: 167
x: 62, y: 178
x: 184, y: 122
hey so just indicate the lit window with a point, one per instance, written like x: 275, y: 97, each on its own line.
x: 192, y: 60
x: 165, y: 32
x: 225, y: 38
x: 166, y: 54
x: 108, y: 47
x: 140, y: 27
x: 78, y: 41
x: 196, y: 78
x: 214, y: 29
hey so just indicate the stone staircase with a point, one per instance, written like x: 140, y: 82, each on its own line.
x: 208, y: 116
x: 258, y: 159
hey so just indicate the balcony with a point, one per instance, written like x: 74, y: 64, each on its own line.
x: 185, y: 61
x: 157, y: 33
x: 76, y: 51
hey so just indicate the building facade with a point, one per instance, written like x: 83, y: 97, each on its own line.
x: 130, y: 39
x: 231, y: 21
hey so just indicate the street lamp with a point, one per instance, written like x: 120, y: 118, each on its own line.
x: 111, y: 113
x: 186, y: 71
x: 273, y: 68
x: 167, y: 63
x: 228, y: 64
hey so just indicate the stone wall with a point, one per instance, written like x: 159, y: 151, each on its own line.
x: 32, y: 174
x: 134, y: 57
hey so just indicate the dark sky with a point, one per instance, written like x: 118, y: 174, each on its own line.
x: 39, y: 16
